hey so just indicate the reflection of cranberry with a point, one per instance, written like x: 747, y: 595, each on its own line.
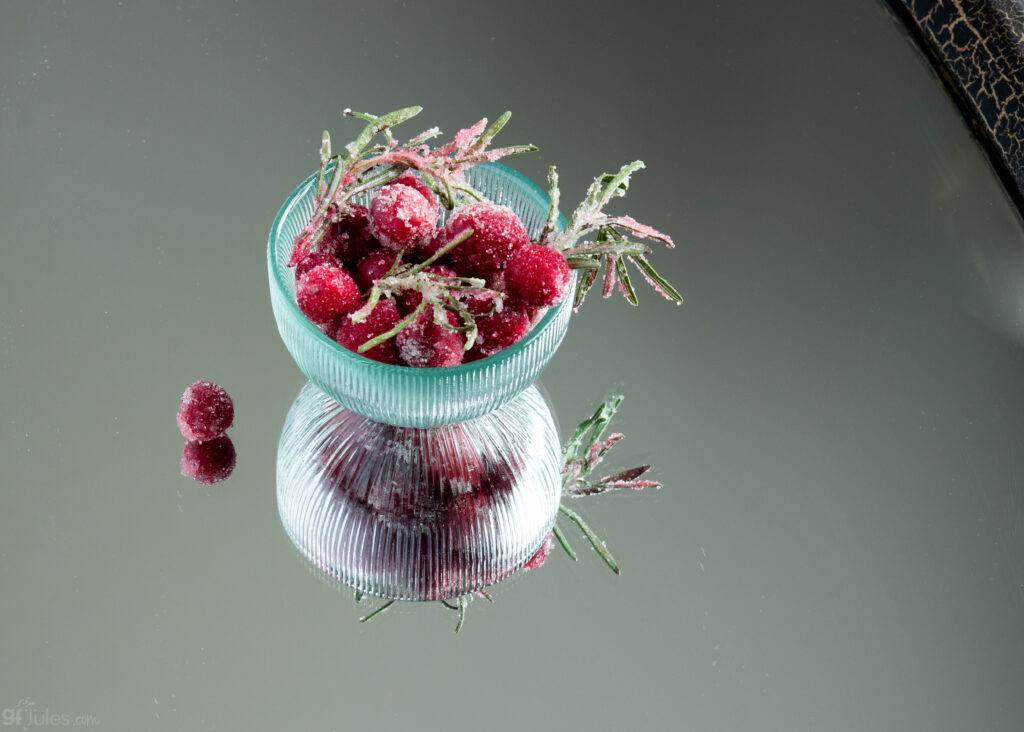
x: 205, y: 412
x: 208, y: 462
x: 426, y: 505
x: 542, y: 554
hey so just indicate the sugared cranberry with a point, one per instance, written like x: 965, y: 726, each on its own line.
x: 435, y: 244
x: 325, y: 292
x: 383, y: 318
x: 409, y: 300
x: 205, y: 412
x: 481, y: 302
x: 349, y: 238
x: 499, y: 331
x: 537, y: 275
x: 331, y: 329
x: 542, y: 554
x: 372, y: 267
x: 401, y: 217
x: 425, y: 344
x: 208, y: 462
x: 315, y: 260
x: 497, y: 232
x: 408, y: 178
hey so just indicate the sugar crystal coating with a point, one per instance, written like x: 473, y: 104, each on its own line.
x: 409, y: 300
x: 408, y: 178
x: 537, y: 275
x: 349, y: 238
x: 208, y: 462
x: 381, y: 319
x: 425, y: 344
x: 497, y: 232
x: 401, y: 217
x: 325, y: 292
x: 205, y: 411
x: 372, y: 267
x: 499, y: 331
x: 315, y: 260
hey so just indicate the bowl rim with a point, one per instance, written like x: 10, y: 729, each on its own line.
x: 361, y: 361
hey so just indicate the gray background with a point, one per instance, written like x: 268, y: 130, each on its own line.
x: 836, y: 411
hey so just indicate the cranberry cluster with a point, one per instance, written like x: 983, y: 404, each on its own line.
x: 205, y: 413
x: 360, y: 249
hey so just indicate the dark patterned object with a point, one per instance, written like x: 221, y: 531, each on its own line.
x: 977, y: 47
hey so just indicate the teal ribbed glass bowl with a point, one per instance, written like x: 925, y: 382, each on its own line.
x: 400, y: 395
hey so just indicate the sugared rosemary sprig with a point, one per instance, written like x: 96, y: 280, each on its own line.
x: 361, y: 167
x: 582, y: 453
x: 593, y: 239
x: 444, y: 294
x: 591, y: 242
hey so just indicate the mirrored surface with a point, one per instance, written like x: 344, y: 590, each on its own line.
x: 835, y: 411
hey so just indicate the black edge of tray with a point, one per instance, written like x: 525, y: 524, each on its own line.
x: 977, y: 50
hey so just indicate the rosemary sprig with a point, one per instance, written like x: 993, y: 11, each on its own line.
x: 583, y: 452
x: 361, y: 167
x: 383, y: 608
x: 443, y: 294
x: 462, y: 601
x: 594, y: 240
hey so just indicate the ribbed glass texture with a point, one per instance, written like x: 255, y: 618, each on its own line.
x: 399, y: 395
x: 418, y: 514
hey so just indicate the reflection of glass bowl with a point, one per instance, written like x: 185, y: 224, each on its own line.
x: 400, y: 395
x: 418, y: 514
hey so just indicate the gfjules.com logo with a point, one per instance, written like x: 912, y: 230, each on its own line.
x: 26, y: 714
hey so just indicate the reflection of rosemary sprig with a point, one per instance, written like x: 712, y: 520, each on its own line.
x: 459, y: 605
x: 594, y: 239
x: 582, y: 453
x: 361, y: 167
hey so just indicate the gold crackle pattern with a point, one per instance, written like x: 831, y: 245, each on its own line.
x: 981, y: 45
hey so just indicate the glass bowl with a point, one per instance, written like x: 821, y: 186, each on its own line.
x: 400, y: 395
x: 418, y: 514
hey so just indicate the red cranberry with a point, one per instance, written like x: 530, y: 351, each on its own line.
x: 542, y: 554
x: 425, y: 344
x: 537, y: 275
x: 497, y: 232
x: 409, y: 300
x: 382, y: 318
x: 206, y: 411
x: 408, y: 178
x: 315, y: 260
x: 401, y: 217
x: 325, y: 292
x: 349, y: 238
x: 208, y: 462
x: 372, y: 267
x: 499, y: 331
